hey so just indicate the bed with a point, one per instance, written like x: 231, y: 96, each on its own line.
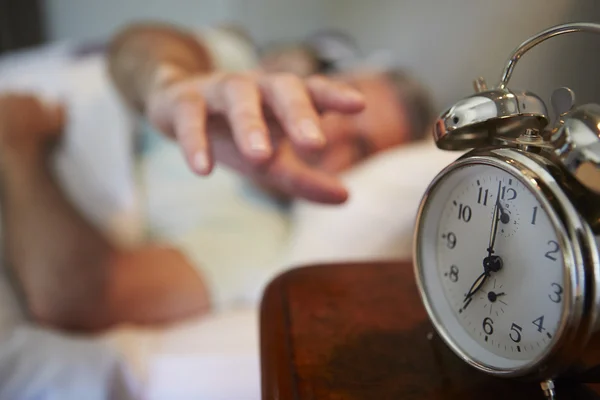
x: 214, y: 357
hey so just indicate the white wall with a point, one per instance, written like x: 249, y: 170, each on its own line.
x: 446, y: 43
x: 266, y: 19
x: 449, y: 43
x: 90, y: 19
x: 270, y: 20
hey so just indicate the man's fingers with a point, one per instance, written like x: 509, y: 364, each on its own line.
x: 189, y: 125
x: 330, y: 95
x: 285, y: 172
x: 242, y: 101
x: 292, y: 176
x: 289, y: 99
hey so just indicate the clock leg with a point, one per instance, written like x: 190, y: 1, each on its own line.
x: 548, y: 388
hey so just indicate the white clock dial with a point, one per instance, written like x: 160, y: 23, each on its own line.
x: 508, y: 298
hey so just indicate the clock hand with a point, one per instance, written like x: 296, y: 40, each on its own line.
x: 495, y: 219
x: 477, y: 284
x: 503, y: 214
x: 494, y: 230
x: 493, y: 296
x: 491, y: 263
x: 494, y: 263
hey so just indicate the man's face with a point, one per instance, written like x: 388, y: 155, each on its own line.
x: 351, y: 139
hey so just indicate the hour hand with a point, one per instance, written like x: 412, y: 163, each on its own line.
x: 477, y: 285
x: 474, y: 289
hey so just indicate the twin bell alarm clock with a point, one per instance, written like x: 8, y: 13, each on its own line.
x: 506, y: 248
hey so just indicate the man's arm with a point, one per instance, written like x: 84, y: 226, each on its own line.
x: 145, y: 55
x: 69, y: 274
x: 236, y: 119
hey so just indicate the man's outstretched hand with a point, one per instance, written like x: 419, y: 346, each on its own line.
x: 258, y: 124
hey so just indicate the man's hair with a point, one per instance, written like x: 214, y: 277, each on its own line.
x: 416, y: 99
x: 332, y: 49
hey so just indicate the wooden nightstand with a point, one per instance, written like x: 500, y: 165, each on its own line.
x: 359, y: 331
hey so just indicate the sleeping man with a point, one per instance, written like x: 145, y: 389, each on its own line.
x: 262, y: 137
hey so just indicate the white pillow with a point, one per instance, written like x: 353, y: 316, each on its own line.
x: 377, y: 221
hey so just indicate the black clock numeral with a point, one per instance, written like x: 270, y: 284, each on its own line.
x: 516, y: 330
x: 488, y: 326
x: 534, y: 215
x: 556, y: 297
x: 508, y: 194
x: 539, y: 323
x: 450, y: 239
x: 453, y: 274
x: 483, y: 196
x: 464, y: 213
x: 550, y: 253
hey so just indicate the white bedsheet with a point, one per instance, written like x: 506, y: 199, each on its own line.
x: 218, y: 357
x: 38, y: 364
x: 214, y: 357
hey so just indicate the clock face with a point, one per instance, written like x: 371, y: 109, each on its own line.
x: 492, y: 265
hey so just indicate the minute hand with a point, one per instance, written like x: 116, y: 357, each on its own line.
x: 494, y: 230
x: 495, y: 218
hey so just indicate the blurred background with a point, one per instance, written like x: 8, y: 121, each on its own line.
x: 446, y: 44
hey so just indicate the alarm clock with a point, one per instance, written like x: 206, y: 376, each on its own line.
x: 506, y: 248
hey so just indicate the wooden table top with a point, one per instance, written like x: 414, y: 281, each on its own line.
x: 359, y: 331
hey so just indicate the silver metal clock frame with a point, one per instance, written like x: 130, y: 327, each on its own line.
x: 580, y: 256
